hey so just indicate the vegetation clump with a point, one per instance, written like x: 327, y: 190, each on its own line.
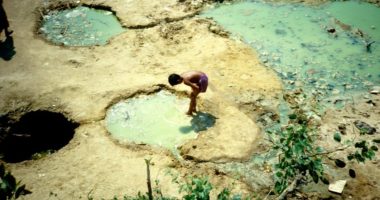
x: 9, y: 187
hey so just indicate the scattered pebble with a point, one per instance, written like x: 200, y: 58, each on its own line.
x: 364, y: 127
x: 375, y: 90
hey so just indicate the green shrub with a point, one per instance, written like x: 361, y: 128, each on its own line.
x: 9, y: 188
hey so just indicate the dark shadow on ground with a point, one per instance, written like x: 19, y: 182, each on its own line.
x: 200, y: 122
x: 36, y: 132
x: 7, y: 49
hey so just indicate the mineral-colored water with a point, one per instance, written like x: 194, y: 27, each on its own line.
x: 157, y: 119
x: 80, y: 26
x: 320, y: 48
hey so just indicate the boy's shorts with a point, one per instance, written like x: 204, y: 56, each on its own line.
x: 203, y: 83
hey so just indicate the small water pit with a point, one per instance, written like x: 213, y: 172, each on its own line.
x: 34, y: 134
x: 79, y: 26
x: 157, y: 119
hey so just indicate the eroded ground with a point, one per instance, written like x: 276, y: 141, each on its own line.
x: 82, y: 82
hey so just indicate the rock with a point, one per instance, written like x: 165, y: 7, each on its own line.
x: 337, y: 186
x: 342, y: 129
x: 215, y: 29
x: 375, y: 90
x: 335, y: 91
x: 364, y: 127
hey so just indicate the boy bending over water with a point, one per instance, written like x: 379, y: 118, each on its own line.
x: 198, y: 82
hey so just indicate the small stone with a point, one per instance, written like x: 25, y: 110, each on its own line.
x: 342, y: 129
x: 214, y: 29
x: 374, y: 91
x: 298, y: 83
x: 337, y: 186
x: 364, y: 127
x: 335, y: 91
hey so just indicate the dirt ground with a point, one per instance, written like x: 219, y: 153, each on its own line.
x: 164, y: 37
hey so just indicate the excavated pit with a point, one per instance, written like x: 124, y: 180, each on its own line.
x: 157, y: 119
x: 37, y: 132
x: 79, y: 26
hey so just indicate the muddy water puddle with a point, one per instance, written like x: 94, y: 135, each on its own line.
x: 80, y: 26
x: 158, y: 119
x: 328, y: 50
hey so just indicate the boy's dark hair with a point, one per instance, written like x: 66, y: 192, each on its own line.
x: 174, y: 79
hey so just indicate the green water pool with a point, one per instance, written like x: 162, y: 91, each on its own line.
x: 295, y: 41
x: 158, y: 119
x: 80, y: 26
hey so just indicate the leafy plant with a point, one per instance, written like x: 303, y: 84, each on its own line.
x: 9, y: 188
x: 196, y: 189
x: 224, y: 194
x: 297, y: 159
x: 363, y: 152
x: 337, y: 137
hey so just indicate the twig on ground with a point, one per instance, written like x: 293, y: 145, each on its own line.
x: 331, y: 151
x: 291, y: 187
x: 266, y: 197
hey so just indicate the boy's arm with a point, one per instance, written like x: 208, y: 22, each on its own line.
x: 193, y: 86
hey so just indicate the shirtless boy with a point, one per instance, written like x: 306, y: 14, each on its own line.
x: 198, y: 82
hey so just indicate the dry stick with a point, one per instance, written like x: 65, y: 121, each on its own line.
x: 291, y: 187
x: 266, y: 197
x: 150, y: 194
x: 331, y: 151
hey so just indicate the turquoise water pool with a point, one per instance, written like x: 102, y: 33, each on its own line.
x: 80, y: 26
x: 158, y: 119
x: 321, y: 49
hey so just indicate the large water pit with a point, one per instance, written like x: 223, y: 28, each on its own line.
x: 156, y: 119
x: 79, y: 26
x: 331, y: 50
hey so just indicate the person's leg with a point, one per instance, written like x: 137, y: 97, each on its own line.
x: 4, y: 24
x: 193, y: 103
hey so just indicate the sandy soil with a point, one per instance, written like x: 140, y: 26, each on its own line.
x: 83, y: 82
x: 164, y: 37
